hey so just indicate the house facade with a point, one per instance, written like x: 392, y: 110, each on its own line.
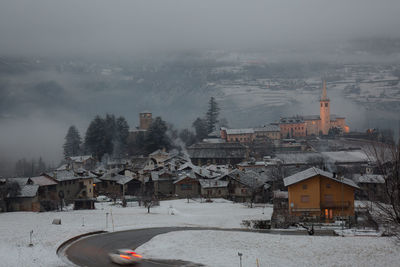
x: 317, y: 194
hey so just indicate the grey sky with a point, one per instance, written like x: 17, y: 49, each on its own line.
x: 122, y: 26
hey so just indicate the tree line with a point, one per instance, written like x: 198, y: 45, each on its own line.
x: 110, y: 135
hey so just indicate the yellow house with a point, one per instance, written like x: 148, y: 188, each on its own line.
x: 320, y: 194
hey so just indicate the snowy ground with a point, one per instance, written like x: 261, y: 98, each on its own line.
x: 15, y: 226
x: 220, y: 249
x: 216, y: 249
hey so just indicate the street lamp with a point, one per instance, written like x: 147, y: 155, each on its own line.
x: 240, y: 258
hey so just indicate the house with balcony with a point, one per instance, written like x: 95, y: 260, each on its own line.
x: 320, y: 195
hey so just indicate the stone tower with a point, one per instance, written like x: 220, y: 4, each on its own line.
x: 324, y: 111
x: 145, y: 119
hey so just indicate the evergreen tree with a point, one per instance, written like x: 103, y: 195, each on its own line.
x: 188, y: 137
x: 107, y: 136
x: 200, y: 126
x: 157, y: 137
x: 95, y: 142
x: 72, y: 142
x: 121, y: 137
x: 212, y: 115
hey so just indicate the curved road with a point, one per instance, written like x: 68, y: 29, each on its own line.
x: 93, y: 250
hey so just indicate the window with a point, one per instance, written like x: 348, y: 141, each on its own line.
x: 304, y: 186
x: 328, y: 185
x: 328, y: 198
x: 326, y: 104
x: 321, y: 105
x: 305, y: 198
x: 186, y: 186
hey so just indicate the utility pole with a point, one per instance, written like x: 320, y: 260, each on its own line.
x: 342, y: 178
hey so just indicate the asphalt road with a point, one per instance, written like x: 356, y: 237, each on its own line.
x: 93, y: 250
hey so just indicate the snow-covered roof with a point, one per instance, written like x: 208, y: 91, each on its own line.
x: 311, y: 172
x: 212, y: 183
x: 248, y: 178
x: 369, y: 179
x: 62, y: 167
x: 70, y: 175
x: 80, y: 158
x: 240, y: 131
x: 355, y: 156
x: 183, y: 176
x: 43, y: 181
x: 28, y: 190
x: 159, y: 152
x: 299, y: 157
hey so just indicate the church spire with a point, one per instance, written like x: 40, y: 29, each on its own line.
x: 324, y: 96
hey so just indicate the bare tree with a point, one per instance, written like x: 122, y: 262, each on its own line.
x: 387, y: 159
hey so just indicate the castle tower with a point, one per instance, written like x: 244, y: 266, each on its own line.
x: 145, y: 119
x: 324, y: 111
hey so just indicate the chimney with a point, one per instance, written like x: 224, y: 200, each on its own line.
x: 334, y: 174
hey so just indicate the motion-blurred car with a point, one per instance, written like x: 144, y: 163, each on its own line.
x: 125, y: 256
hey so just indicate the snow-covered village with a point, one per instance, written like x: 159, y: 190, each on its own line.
x: 215, y: 134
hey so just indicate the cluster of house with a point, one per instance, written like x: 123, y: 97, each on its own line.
x: 297, y: 183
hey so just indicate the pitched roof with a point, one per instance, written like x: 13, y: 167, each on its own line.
x: 268, y: 128
x: 212, y: 183
x: 80, y: 158
x: 311, y: 172
x: 43, y: 180
x: 369, y: 179
x: 240, y: 131
x: 28, y: 190
x: 183, y: 176
x: 355, y: 156
x: 69, y: 175
x: 248, y: 178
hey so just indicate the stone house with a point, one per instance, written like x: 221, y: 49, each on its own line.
x: 73, y: 184
x: 214, y: 188
x: 85, y: 162
x: 187, y: 186
x: 163, y: 183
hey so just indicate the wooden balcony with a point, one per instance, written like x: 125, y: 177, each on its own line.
x: 335, y: 204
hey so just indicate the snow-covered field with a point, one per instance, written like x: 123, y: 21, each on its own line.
x: 214, y: 248
x: 15, y: 226
x: 220, y: 249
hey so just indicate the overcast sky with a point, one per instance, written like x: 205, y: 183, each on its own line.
x: 73, y: 27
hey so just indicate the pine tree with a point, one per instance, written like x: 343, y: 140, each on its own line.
x: 95, y: 138
x: 121, y: 137
x: 157, y: 137
x: 200, y: 126
x: 212, y: 115
x: 72, y: 145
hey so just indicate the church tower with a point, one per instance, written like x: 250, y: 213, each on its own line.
x: 324, y: 111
